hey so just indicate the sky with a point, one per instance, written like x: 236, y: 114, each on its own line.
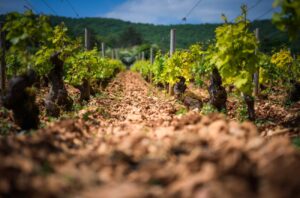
x: 145, y: 11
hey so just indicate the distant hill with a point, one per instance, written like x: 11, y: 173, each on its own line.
x: 108, y: 30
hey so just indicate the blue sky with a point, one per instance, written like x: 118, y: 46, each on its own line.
x: 144, y: 11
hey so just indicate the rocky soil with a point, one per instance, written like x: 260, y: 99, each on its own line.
x: 129, y: 142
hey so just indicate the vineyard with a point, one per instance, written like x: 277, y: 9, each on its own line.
x: 219, y: 119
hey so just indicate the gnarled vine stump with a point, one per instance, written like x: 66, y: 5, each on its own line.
x: 58, y: 96
x: 21, y: 100
x: 217, y: 92
x: 249, y: 100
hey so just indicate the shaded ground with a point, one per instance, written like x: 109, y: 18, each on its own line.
x: 274, y: 118
x: 129, y: 142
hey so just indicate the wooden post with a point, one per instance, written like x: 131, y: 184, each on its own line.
x: 151, y: 56
x: 172, y: 41
x: 112, y: 54
x: 172, y: 50
x: 151, y: 63
x: 256, y: 74
x: 143, y: 56
x: 87, y: 39
x: 116, y: 54
x: 3, y: 63
x: 103, y: 50
x: 86, y: 82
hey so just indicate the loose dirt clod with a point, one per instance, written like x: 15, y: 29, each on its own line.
x: 140, y: 148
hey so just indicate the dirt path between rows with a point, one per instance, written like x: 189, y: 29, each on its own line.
x: 130, y: 143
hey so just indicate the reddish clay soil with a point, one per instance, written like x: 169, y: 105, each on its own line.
x: 130, y: 143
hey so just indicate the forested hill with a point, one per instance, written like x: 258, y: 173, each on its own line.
x: 111, y: 31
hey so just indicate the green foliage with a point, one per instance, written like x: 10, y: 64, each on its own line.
x: 182, y: 111
x: 296, y: 142
x: 268, y: 71
x: 181, y: 63
x: 167, y: 70
x: 241, y: 112
x: 202, y: 66
x: 25, y: 32
x: 78, y: 106
x: 197, y: 59
x: 279, y: 68
x: 14, y: 65
x: 90, y: 66
x: 288, y: 68
x: 42, y: 62
x: 282, y: 59
x: 60, y: 38
x: 143, y: 67
x: 110, y: 67
x: 158, y: 67
x: 81, y: 66
x: 288, y: 19
x: 58, y: 41
x: 208, y: 109
x: 176, y: 66
x: 235, y: 53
